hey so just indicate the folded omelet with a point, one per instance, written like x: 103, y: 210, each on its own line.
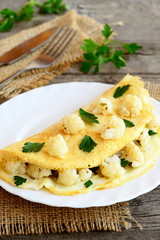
x: 110, y: 141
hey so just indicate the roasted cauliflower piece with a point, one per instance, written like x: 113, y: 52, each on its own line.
x: 72, y: 124
x: 56, y: 146
x: 35, y: 171
x: 12, y: 167
x: 111, y: 167
x: 133, y: 154
x: 131, y: 106
x: 114, y: 129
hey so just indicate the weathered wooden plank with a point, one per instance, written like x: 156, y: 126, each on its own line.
x: 111, y: 78
x: 126, y: 235
x: 141, y: 18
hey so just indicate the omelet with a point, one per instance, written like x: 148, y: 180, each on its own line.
x: 102, y: 145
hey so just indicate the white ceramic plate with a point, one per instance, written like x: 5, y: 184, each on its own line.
x: 31, y: 112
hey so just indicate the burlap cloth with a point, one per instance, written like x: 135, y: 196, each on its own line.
x: 18, y: 216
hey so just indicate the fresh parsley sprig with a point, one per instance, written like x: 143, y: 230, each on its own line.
x: 88, y: 117
x: 96, y: 54
x: 87, y: 144
x: 8, y: 19
x: 27, y: 12
x: 32, y: 147
x: 19, y: 180
x: 53, y: 6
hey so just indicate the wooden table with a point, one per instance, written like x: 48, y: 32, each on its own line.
x: 141, y: 23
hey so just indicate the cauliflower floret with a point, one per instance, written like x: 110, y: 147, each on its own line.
x: 111, y: 167
x: 133, y: 154
x: 15, y: 167
x: 154, y: 123
x: 115, y: 128
x: 104, y: 106
x: 56, y: 146
x: 131, y: 106
x: 68, y: 177
x: 85, y: 174
x: 37, y: 172
x: 72, y: 124
x: 144, y: 139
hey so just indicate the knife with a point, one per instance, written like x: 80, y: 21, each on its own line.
x: 28, y: 46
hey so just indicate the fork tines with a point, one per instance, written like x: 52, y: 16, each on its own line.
x: 60, y: 41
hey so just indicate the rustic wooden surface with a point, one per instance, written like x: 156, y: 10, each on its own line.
x: 141, y: 23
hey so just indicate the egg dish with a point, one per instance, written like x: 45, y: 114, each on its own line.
x: 102, y: 145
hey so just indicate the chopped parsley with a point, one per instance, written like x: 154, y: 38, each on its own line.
x: 121, y: 90
x: 32, y: 147
x: 88, y: 183
x: 88, y: 117
x: 151, y: 132
x: 124, y: 162
x: 19, y: 180
x: 128, y: 123
x: 87, y: 144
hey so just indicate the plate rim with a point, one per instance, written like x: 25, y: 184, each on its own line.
x: 7, y: 186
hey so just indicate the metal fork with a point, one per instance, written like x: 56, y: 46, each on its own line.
x: 51, y: 53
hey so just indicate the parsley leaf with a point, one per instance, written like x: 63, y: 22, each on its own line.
x: 124, y: 162
x: 107, y: 31
x: 121, y: 90
x: 117, y: 59
x: 53, y: 6
x: 19, y: 180
x: 88, y: 183
x: 87, y: 144
x: 96, y: 54
x: 151, y: 132
x: 32, y: 147
x: 128, y: 123
x: 89, y: 45
x: 9, y: 17
x: 88, y: 117
x: 132, y: 47
x: 27, y: 12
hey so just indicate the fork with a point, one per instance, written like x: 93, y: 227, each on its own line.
x: 51, y: 53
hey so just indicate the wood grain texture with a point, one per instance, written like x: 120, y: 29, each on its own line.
x: 141, y: 23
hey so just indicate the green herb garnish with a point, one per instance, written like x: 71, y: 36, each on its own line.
x: 8, y: 19
x: 132, y: 47
x: 19, y: 180
x: 151, y: 132
x: 88, y: 183
x: 87, y: 144
x: 53, y: 6
x: 27, y: 12
x: 120, y: 91
x: 128, y: 123
x: 32, y: 147
x: 88, y: 117
x: 124, y: 162
x: 97, y: 54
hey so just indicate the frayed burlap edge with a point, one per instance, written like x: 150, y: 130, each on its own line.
x: 19, y: 216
